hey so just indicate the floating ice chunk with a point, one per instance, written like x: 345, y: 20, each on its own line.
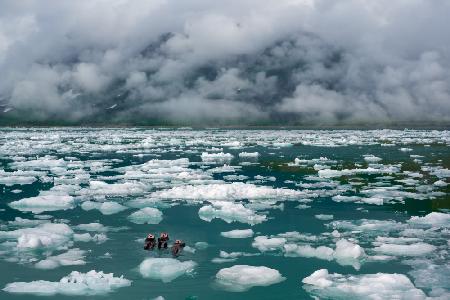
x: 72, y: 257
x: 86, y: 237
x: 216, y: 157
x: 75, y: 284
x: 264, y: 244
x: 106, y: 208
x: 20, y: 222
x: 328, y: 173
x: 406, y: 149
x: 440, y: 183
x: 220, y: 260
x: 415, y: 249
x: 44, y: 203
x: 321, y: 252
x: 226, y: 191
x: 100, y: 188
x: 224, y: 254
x: 92, y: 227
x: 165, y: 269
x: 324, y: 217
x: 348, y: 253
x: 238, y: 234
x: 366, y: 286
x: 48, y: 236
x: 432, y: 219
x: 429, y: 275
x: 235, y: 177
x: 230, y: 212
x: 248, y: 155
x: 224, y: 169
x: 146, y: 215
x: 372, y: 159
x: 18, y: 177
x: 240, y: 278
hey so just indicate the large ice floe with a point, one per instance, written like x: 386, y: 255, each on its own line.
x: 44, y: 203
x: 226, y: 191
x: 75, y: 284
x: 165, y: 269
x: 230, y: 212
x: 146, y: 215
x: 240, y: 278
x: 238, y: 233
x: 366, y: 286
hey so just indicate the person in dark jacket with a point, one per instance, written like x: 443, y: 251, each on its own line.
x: 162, y: 240
x: 150, y: 242
x: 177, y: 247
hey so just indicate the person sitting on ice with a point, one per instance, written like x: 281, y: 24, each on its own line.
x: 150, y: 242
x: 177, y: 247
x: 162, y: 240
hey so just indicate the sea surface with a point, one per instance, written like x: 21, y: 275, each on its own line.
x: 265, y: 214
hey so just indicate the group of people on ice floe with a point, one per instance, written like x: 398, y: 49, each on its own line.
x: 150, y: 243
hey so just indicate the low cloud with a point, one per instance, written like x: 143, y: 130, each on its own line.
x: 200, y: 62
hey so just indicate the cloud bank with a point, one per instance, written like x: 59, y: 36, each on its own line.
x: 229, y: 62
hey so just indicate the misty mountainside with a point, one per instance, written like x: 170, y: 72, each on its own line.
x: 272, y: 63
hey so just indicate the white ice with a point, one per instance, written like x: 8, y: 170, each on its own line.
x: 44, y: 203
x: 146, y: 215
x: 240, y: 278
x: 165, y: 269
x: 366, y: 286
x: 237, y: 233
x: 75, y: 284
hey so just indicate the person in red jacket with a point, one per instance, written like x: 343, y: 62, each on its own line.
x: 177, y: 247
x: 150, y: 242
x: 162, y: 240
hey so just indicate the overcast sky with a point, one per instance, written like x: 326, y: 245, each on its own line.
x: 219, y: 62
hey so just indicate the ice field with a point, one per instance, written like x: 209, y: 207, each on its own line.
x: 265, y: 214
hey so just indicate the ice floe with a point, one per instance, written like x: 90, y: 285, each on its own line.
x: 75, y: 284
x: 44, y: 203
x: 165, y: 269
x: 230, y: 212
x: 366, y: 286
x: 238, y: 233
x: 240, y: 278
x: 146, y: 215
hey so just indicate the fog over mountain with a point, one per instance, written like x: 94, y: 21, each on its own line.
x: 307, y: 62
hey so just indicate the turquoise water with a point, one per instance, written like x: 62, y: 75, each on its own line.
x: 68, y: 162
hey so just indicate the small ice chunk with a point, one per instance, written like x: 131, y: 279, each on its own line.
x: 240, y: 278
x: 248, y: 155
x: 415, y: 249
x: 92, y: 227
x: 365, y: 286
x: 165, y: 269
x: 216, y: 157
x: 74, y: 284
x: 72, y: 257
x: 44, y: 203
x: 440, y: 183
x: 106, y: 208
x: 238, y: 234
x: 371, y: 158
x: 264, y: 244
x: 146, y: 215
x: 432, y: 219
x: 230, y: 212
x: 324, y: 217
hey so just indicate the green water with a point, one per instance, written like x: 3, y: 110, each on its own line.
x: 182, y: 220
